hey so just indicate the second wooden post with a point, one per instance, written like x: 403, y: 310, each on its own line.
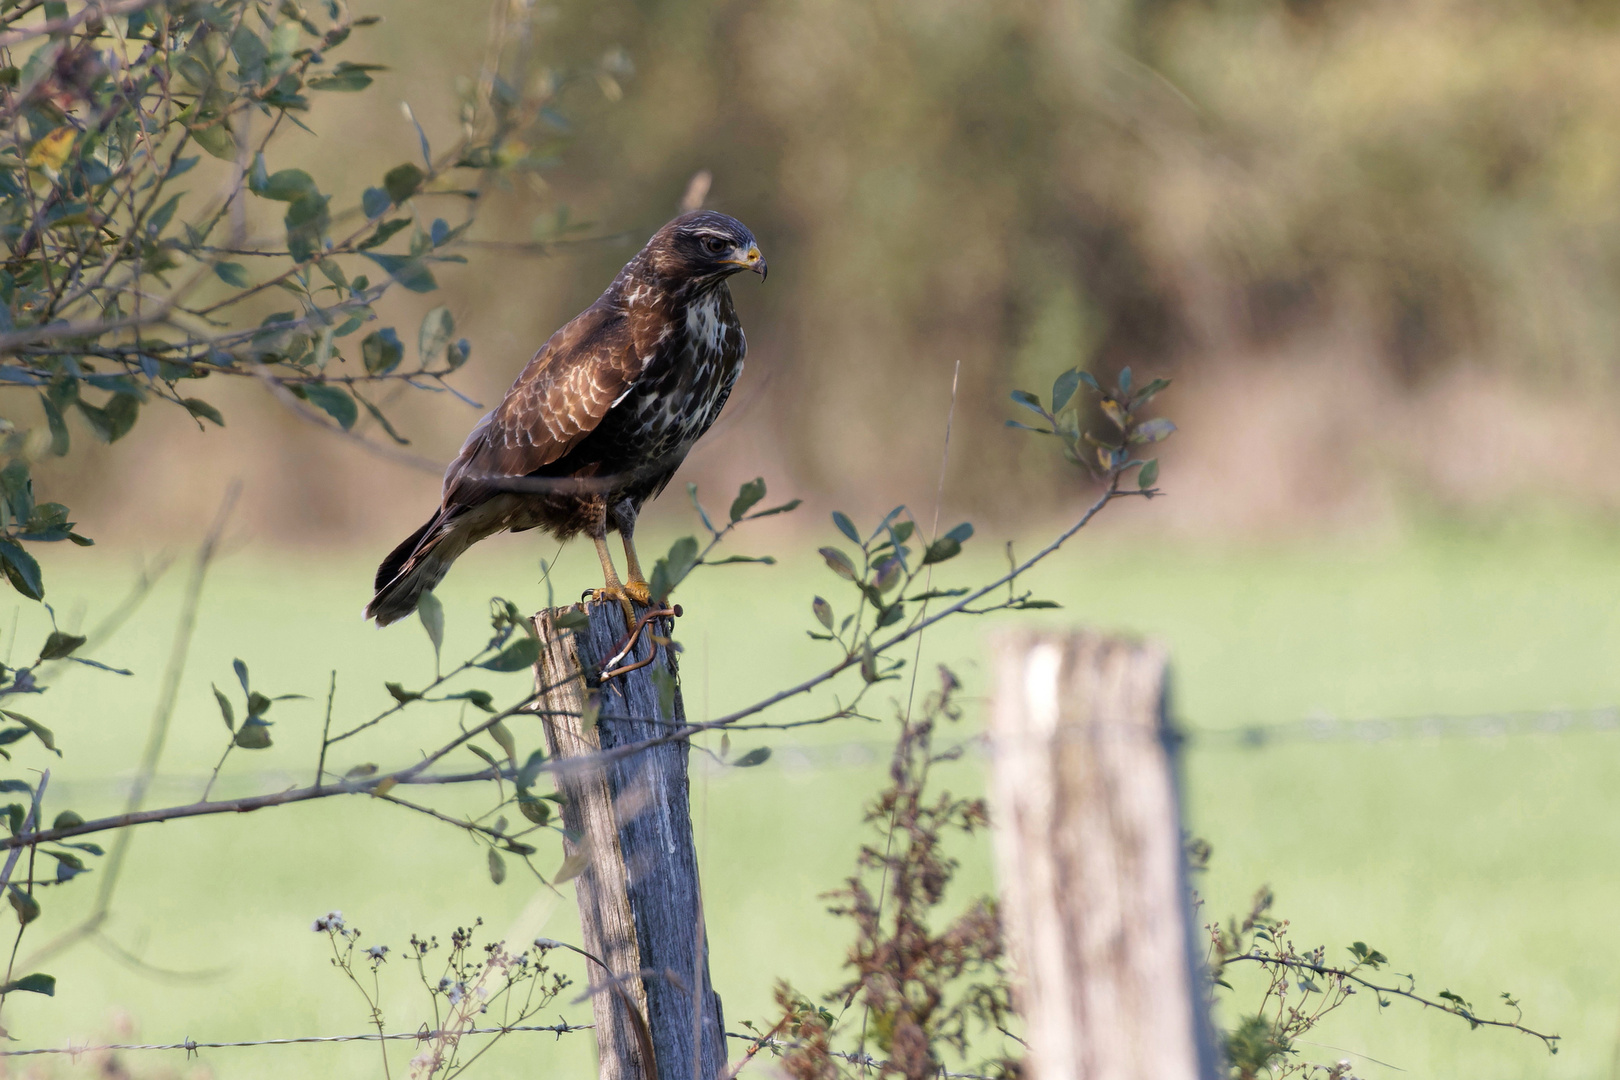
x: 1093, y: 882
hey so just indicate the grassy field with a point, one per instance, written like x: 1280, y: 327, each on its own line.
x: 1480, y: 865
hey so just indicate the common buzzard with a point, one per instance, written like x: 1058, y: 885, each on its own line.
x: 600, y: 419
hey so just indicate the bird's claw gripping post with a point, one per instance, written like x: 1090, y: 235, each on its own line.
x: 630, y: 643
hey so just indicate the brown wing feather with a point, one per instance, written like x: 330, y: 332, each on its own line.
x: 558, y: 399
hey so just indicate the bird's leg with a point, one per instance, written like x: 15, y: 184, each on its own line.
x: 614, y: 588
x: 624, y: 516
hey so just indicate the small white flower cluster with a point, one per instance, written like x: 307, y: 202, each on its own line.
x: 377, y: 952
x: 331, y: 921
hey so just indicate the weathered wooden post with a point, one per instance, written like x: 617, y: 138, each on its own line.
x: 1089, y: 849
x: 640, y: 905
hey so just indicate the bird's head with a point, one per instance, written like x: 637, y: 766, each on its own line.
x: 704, y: 246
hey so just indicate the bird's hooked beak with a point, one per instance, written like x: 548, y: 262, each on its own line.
x: 750, y: 259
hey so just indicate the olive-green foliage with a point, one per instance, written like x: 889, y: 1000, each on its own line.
x: 1025, y: 186
x: 135, y: 150
x: 132, y: 147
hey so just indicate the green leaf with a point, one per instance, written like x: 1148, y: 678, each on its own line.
x: 1146, y: 394
x: 241, y: 670
x: 673, y: 568
x: 434, y: 336
x: 792, y: 504
x: 530, y: 772
x: 1153, y: 431
x: 703, y: 515
x: 1148, y: 475
x: 488, y: 758
x: 21, y: 569
x: 41, y: 732
x: 382, y: 351
x: 288, y: 185
x: 215, y: 137
x: 961, y: 533
x: 27, y: 909
x: 748, y: 496
x: 225, y: 709
x: 254, y: 734
x: 757, y: 756
x: 306, y: 222
x: 233, y: 274
x: 497, y: 867
x: 1063, y: 389
x: 571, y: 868
x: 112, y: 421
x: 375, y: 202
x: 60, y: 439
x: 946, y: 547
x: 332, y: 272
x: 402, y: 181
x: 520, y: 654
x: 431, y: 612
x: 398, y: 692
x: 410, y: 273
x: 503, y: 738
x: 571, y: 619
x: 823, y: 612
x: 1125, y: 381
x: 1028, y: 401
x: 161, y: 216
x: 480, y: 699
x: 59, y: 645
x: 331, y: 400
x: 199, y: 407
x: 457, y: 352
x: 345, y: 77
x: 383, y: 233
x: 838, y: 562
x: 887, y: 573
x: 534, y: 809
x: 845, y: 526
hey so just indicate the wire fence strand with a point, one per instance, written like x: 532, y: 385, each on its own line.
x: 191, y: 1046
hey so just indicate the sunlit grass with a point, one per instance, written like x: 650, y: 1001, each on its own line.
x: 1479, y: 865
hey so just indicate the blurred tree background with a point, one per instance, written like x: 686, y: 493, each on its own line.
x: 1378, y: 243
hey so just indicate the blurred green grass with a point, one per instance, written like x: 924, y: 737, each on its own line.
x: 1480, y: 865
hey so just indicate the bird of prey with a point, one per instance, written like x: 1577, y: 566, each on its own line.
x: 600, y: 419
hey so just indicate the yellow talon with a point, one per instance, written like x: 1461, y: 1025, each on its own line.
x: 622, y: 594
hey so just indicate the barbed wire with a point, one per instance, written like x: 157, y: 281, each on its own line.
x: 1549, y: 721
x: 857, y: 753
x: 191, y: 1046
x: 857, y: 1059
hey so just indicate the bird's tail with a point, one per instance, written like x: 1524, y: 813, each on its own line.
x: 415, y: 566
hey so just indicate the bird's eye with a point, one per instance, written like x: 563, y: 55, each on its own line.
x: 713, y: 245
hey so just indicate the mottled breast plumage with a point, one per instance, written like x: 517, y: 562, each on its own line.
x: 603, y: 415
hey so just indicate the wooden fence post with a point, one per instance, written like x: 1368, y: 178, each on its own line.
x: 1089, y: 849
x: 640, y: 905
